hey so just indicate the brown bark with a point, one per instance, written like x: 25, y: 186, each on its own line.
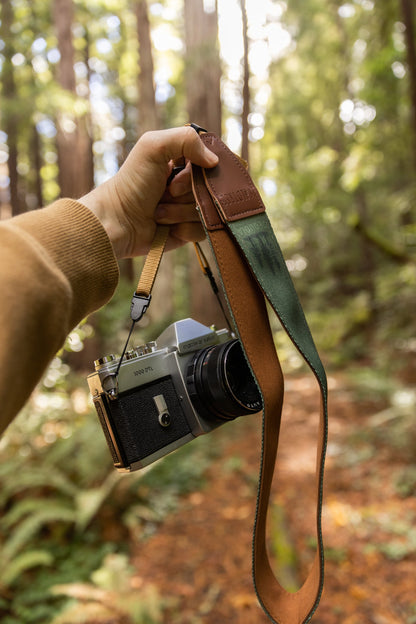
x: 10, y: 110
x: 73, y: 138
x: 202, y: 81
x: 246, y: 88
x: 148, y: 115
x: 162, y: 309
x: 202, y: 66
x: 37, y: 165
x: 408, y: 20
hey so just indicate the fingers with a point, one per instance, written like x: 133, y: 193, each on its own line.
x: 184, y: 233
x: 170, y: 213
x: 167, y: 145
x: 181, y: 183
x: 178, y: 202
x: 136, y: 197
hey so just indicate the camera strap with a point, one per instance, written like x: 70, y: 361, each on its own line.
x: 252, y: 270
x: 142, y: 295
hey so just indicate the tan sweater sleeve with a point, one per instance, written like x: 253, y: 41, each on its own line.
x: 56, y: 266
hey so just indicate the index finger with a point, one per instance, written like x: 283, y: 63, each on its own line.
x: 163, y: 146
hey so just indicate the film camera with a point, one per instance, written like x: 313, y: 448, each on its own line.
x: 188, y: 382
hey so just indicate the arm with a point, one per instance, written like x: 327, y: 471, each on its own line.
x: 59, y: 264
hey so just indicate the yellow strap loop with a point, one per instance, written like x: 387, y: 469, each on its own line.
x: 151, y: 265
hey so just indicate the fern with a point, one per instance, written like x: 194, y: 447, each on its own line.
x: 30, y: 526
x: 23, y: 562
x: 88, y: 502
x: 22, y: 508
x: 87, y: 444
x: 110, y: 597
x: 83, y: 613
x: 37, y: 477
x: 100, y: 606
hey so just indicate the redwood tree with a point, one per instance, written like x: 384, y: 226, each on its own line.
x: 148, y: 116
x: 74, y: 144
x: 202, y: 66
x: 246, y: 88
x: 408, y: 19
x: 10, y: 112
x: 203, y: 98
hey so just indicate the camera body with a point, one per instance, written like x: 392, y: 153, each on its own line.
x: 186, y: 383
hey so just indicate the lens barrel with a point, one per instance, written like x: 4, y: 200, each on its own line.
x: 220, y: 383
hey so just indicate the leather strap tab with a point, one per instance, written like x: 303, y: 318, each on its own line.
x: 235, y: 197
x: 209, y: 215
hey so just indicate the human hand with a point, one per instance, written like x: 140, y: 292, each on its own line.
x: 135, y: 200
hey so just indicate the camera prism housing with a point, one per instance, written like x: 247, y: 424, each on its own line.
x: 189, y: 381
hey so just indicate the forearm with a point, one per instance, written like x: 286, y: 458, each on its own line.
x: 56, y: 266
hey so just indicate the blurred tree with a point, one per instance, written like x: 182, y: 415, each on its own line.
x: 203, y: 102
x: 10, y: 112
x: 147, y: 110
x: 148, y: 119
x: 37, y: 159
x: 74, y: 144
x: 202, y: 65
x: 332, y: 86
x: 338, y: 145
x: 246, y: 88
x: 408, y: 20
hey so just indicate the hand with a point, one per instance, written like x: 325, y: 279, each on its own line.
x: 130, y: 204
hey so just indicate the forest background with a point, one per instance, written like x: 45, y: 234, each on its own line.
x: 319, y: 96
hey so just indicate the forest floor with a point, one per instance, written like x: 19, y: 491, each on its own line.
x: 199, y: 559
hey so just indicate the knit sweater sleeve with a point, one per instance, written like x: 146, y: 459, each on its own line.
x: 56, y: 266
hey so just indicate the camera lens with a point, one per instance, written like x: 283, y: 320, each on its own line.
x: 220, y: 382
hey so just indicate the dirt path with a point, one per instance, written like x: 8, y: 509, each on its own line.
x: 200, y: 557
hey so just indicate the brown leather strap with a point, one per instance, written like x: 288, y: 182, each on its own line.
x: 224, y: 195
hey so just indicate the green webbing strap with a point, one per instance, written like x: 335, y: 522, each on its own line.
x: 256, y: 238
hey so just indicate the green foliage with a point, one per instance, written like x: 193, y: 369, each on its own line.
x: 335, y: 161
x: 41, y: 513
x: 110, y: 595
x: 405, y: 481
x: 283, y: 550
x: 390, y: 431
x: 14, y: 568
x: 61, y: 498
x: 336, y: 133
x: 401, y: 541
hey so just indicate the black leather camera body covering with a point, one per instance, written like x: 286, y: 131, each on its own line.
x: 132, y: 428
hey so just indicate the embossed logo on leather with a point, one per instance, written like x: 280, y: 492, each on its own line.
x: 237, y: 197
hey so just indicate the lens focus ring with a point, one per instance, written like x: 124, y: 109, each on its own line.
x: 220, y: 383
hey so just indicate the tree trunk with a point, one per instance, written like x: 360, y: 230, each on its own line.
x: 408, y: 19
x: 10, y: 109
x: 202, y: 66
x: 202, y: 80
x: 86, y: 126
x: 73, y: 139
x: 148, y: 115
x: 246, y: 88
x: 37, y: 165
x: 162, y: 309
